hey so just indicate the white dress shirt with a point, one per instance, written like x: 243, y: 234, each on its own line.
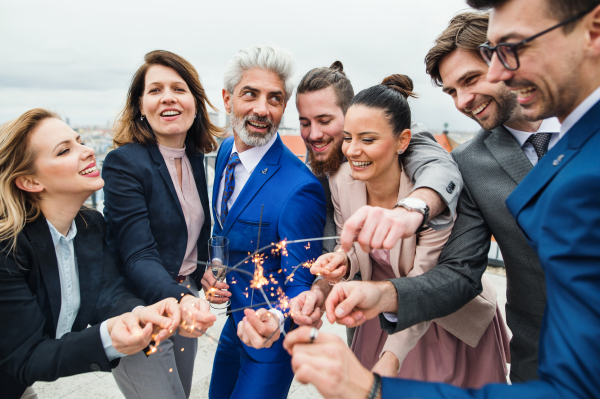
x: 242, y: 171
x: 550, y: 125
x: 248, y: 161
x: 581, y: 110
x: 70, y: 294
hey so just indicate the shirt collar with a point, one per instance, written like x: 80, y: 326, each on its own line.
x: 550, y: 125
x: 250, y: 158
x: 581, y: 110
x: 56, y: 236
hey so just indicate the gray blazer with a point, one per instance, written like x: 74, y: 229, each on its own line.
x: 427, y: 164
x: 492, y: 164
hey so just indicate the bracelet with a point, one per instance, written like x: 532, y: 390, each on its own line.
x: 376, y: 387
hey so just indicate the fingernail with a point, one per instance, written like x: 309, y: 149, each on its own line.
x: 340, y: 312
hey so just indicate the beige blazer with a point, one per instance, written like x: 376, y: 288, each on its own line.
x: 410, y: 257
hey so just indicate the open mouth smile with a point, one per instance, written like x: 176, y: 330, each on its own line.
x: 320, y: 146
x: 360, y: 164
x: 258, y: 125
x: 90, y: 170
x: 482, y: 107
x: 525, y: 94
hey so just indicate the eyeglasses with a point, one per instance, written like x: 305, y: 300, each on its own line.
x: 507, y: 52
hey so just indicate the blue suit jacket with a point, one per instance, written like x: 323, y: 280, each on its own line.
x: 294, y: 208
x: 146, y: 229
x: 558, y: 207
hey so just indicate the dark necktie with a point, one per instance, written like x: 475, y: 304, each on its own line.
x: 540, y: 143
x: 234, y: 159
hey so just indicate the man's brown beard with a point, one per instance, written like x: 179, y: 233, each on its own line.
x: 329, y: 165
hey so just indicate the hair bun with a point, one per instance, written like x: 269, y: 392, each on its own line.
x: 338, y: 67
x: 400, y: 83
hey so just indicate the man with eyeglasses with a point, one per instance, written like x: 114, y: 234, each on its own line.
x: 548, y: 53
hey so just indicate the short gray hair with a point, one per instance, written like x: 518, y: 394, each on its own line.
x: 270, y: 58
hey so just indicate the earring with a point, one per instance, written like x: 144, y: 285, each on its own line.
x: 195, y: 116
x: 400, y: 152
x: 142, y: 117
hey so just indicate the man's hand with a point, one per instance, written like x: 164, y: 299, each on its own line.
x: 378, y: 228
x: 354, y: 302
x: 328, y: 364
x: 332, y: 266
x: 305, y: 308
x: 127, y: 335
x: 195, y: 316
x: 213, y: 290
x: 164, y: 315
x: 256, y: 327
x: 387, y: 365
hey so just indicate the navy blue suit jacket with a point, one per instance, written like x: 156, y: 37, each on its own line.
x: 294, y: 208
x: 558, y: 207
x: 30, y: 300
x: 146, y: 229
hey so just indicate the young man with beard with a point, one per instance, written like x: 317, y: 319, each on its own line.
x: 260, y: 188
x: 322, y: 98
x: 548, y: 52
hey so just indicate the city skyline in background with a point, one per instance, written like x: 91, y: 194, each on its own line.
x: 78, y: 58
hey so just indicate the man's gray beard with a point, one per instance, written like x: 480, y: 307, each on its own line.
x: 251, y: 139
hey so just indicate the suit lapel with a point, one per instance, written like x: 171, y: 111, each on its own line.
x: 164, y: 172
x: 39, y: 235
x: 555, y: 160
x: 88, y: 252
x: 506, y: 150
x: 197, y: 162
x: 266, y: 168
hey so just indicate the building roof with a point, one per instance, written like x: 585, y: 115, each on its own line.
x: 295, y: 144
x: 442, y: 139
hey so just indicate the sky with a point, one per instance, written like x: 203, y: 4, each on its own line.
x: 77, y: 57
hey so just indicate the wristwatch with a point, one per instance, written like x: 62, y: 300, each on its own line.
x: 416, y: 205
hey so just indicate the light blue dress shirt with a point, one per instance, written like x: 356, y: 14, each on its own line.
x: 70, y: 294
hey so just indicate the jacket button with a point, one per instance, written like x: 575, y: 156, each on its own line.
x: 95, y: 367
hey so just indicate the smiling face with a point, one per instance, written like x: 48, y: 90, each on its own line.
x: 256, y: 106
x: 168, y: 105
x: 321, y: 128
x: 370, y: 144
x: 464, y: 77
x: 64, y: 166
x: 549, y: 81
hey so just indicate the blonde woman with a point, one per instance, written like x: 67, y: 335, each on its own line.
x: 56, y: 274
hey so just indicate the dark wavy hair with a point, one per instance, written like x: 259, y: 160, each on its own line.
x: 129, y: 128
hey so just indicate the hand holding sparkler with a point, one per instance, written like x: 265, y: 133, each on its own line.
x: 164, y: 316
x: 257, y: 326
x: 195, y: 316
x: 214, y: 290
x: 328, y: 364
x: 332, y: 266
x: 354, y: 302
x: 306, y: 307
x: 126, y: 334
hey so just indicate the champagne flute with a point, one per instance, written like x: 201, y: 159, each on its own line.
x: 218, y: 256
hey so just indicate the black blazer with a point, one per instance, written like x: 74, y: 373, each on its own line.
x: 30, y: 300
x: 146, y: 229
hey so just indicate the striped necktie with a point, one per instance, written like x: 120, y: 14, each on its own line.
x: 540, y: 143
x: 229, y: 186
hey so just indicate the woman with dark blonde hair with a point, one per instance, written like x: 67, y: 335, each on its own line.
x: 56, y: 273
x: 156, y: 208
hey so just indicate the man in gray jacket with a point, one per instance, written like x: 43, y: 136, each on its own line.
x: 492, y: 164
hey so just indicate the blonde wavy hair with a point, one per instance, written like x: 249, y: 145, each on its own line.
x: 16, y: 159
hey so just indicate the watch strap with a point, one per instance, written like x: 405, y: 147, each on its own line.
x: 376, y: 387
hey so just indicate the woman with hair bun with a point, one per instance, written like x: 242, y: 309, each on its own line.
x: 468, y: 348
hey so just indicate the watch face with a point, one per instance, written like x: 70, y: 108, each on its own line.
x: 414, y: 203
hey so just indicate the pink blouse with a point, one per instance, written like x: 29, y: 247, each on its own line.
x: 189, y: 201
